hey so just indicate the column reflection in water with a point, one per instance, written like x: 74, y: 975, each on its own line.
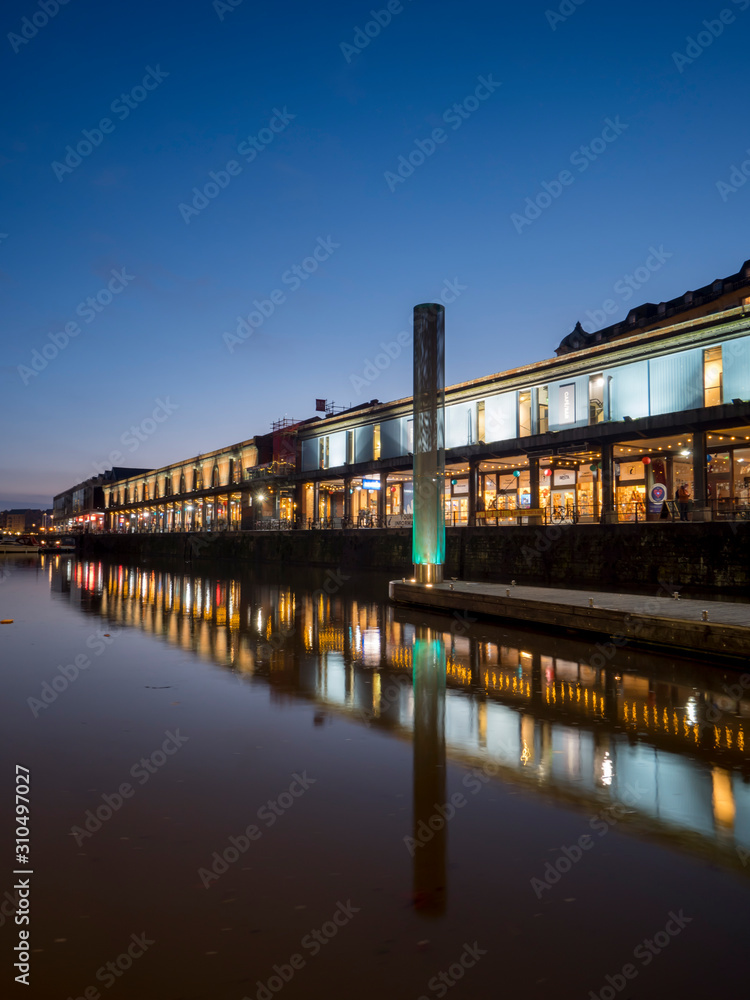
x: 429, y: 772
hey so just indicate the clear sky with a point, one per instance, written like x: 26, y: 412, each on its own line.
x: 317, y: 124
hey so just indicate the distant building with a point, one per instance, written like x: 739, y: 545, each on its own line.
x: 22, y: 520
x: 82, y: 506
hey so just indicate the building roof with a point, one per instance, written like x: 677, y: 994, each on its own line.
x: 649, y: 314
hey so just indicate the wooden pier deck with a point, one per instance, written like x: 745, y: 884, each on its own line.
x: 716, y: 629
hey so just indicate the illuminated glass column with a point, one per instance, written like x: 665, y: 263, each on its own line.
x: 428, y: 536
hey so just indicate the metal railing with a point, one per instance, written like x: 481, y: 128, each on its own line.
x: 273, y: 524
x: 730, y: 508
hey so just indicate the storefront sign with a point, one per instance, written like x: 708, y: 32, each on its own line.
x: 461, y: 487
x: 657, y: 493
x: 567, y: 403
x: 635, y: 470
x: 370, y: 484
x: 566, y: 478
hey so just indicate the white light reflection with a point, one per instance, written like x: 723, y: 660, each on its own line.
x: 691, y: 711
x: 371, y: 647
x: 608, y: 769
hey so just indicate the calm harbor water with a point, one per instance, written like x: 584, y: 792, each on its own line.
x: 245, y: 784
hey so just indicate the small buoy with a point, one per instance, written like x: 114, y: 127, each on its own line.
x: 512, y: 583
x: 6, y: 621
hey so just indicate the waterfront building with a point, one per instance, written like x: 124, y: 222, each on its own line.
x: 226, y: 489
x: 607, y: 430
x: 81, y: 508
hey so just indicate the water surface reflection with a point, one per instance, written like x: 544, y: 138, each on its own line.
x: 656, y: 744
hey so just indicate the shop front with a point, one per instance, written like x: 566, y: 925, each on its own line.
x: 564, y: 482
x: 456, y: 501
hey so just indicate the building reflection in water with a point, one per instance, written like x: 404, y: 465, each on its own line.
x: 570, y: 721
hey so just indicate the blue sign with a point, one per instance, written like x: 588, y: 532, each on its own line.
x: 370, y: 484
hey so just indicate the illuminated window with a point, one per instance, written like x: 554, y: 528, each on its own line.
x: 712, y: 377
x: 596, y: 398
x: 480, y: 421
x: 524, y: 414
x: 543, y: 409
x: 376, y: 441
x: 323, y: 453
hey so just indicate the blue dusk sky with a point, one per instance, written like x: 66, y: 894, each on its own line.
x: 222, y: 210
